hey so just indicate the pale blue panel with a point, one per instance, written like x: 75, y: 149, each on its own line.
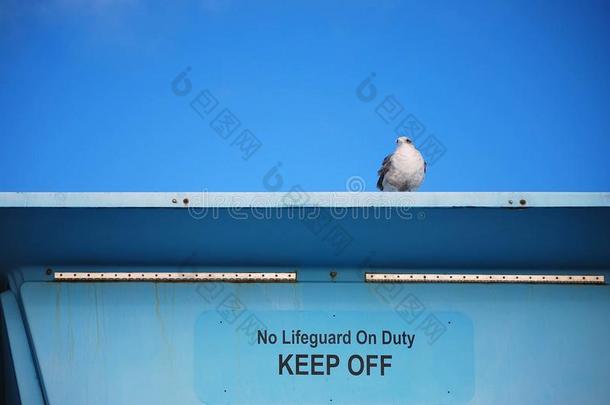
x: 21, y: 355
x: 348, y: 371
x: 124, y: 343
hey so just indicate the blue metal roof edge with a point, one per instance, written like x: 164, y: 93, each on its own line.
x: 301, y: 198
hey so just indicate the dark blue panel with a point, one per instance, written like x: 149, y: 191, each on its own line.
x: 431, y: 238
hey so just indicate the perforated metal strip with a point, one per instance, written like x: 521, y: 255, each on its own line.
x: 483, y: 278
x: 223, y: 277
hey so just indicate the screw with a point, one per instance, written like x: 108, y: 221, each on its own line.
x: 522, y: 202
x: 333, y: 274
x: 49, y: 272
x: 174, y: 200
x: 186, y: 201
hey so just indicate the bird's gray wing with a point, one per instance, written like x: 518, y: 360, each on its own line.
x: 385, y: 166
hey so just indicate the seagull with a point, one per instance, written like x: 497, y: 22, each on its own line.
x: 403, y: 170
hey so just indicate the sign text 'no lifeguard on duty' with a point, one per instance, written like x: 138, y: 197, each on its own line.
x: 300, y: 363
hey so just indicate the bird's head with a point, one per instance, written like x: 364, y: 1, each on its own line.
x: 403, y: 140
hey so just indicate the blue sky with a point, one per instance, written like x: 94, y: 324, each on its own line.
x: 509, y: 95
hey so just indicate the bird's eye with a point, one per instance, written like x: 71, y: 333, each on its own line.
x: 409, y: 141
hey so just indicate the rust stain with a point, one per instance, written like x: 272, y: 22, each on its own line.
x: 70, y: 326
x: 158, y: 308
x: 57, y: 306
x: 98, y: 327
x: 57, y: 330
x: 295, y: 296
x: 164, y: 337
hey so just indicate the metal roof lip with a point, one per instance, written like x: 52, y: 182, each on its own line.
x: 301, y: 198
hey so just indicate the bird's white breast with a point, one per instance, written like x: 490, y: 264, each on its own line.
x: 406, y: 171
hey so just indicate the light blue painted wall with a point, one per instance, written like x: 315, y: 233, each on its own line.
x: 146, y: 343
